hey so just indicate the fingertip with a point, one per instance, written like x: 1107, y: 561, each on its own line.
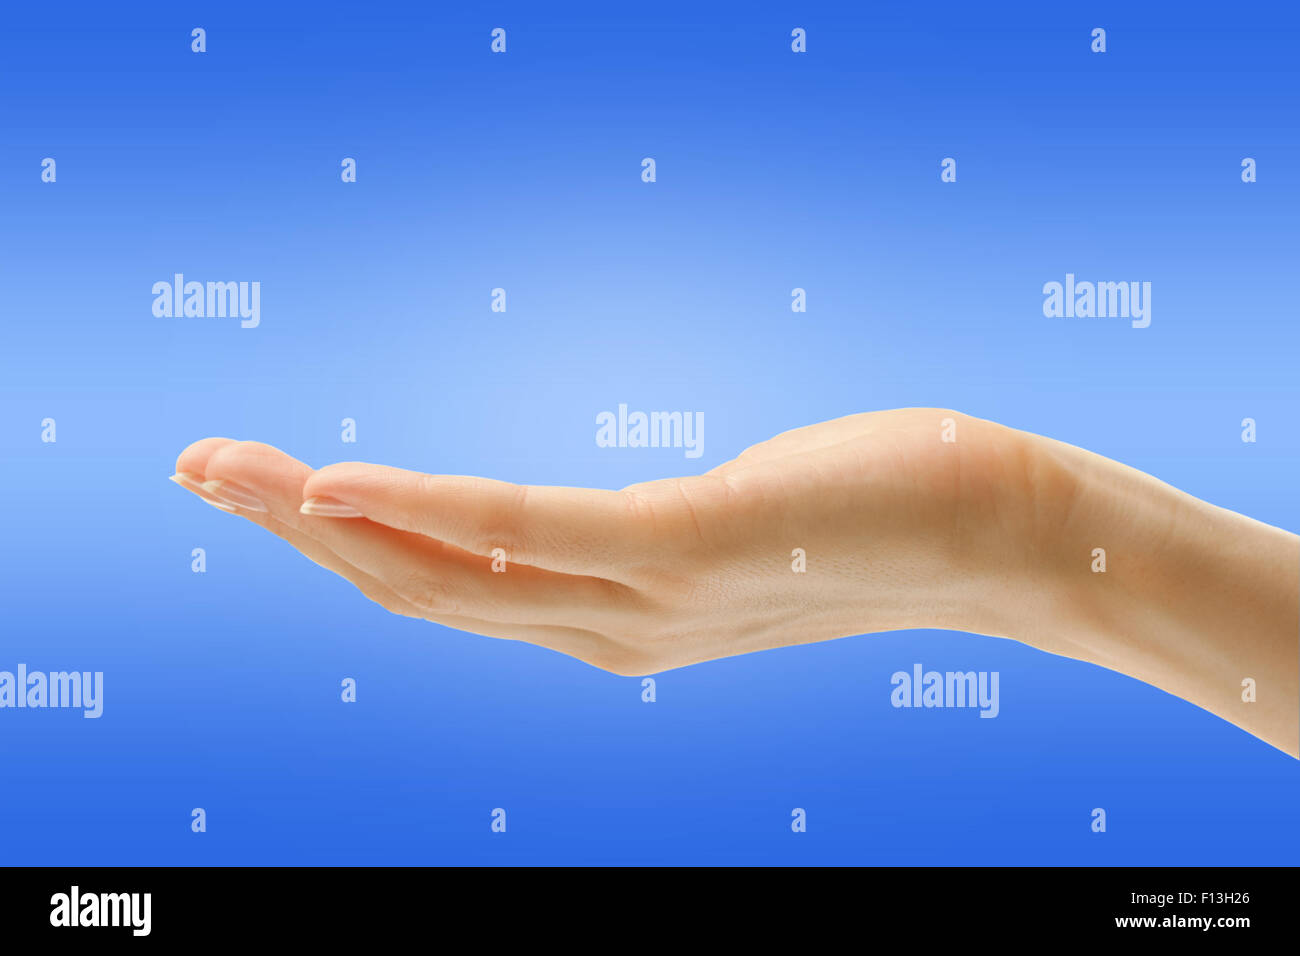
x: 194, y: 459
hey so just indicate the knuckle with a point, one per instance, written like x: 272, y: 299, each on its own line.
x: 429, y: 594
x: 638, y: 508
x: 497, y: 533
x: 500, y: 527
x: 389, y: 601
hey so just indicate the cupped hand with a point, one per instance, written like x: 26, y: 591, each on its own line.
x: 874, y: 522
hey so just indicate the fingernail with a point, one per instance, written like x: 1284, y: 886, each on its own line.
x: 188, y: 480
x: 323, y: 507
x: 192, y: 482
x: 233, y: 494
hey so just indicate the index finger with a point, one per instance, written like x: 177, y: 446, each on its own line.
x: 574, y: 530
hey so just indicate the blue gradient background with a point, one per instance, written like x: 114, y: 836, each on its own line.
x: 523, y: 171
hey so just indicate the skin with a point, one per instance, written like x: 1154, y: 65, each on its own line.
x: 993, y: 533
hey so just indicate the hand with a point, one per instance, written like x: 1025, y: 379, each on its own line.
x: 896, y: 526
x: 905, y: 518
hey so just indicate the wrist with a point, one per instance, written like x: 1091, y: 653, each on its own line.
x: 1145, y: 579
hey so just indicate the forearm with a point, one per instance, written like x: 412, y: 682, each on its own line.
x: 1196, y: 600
